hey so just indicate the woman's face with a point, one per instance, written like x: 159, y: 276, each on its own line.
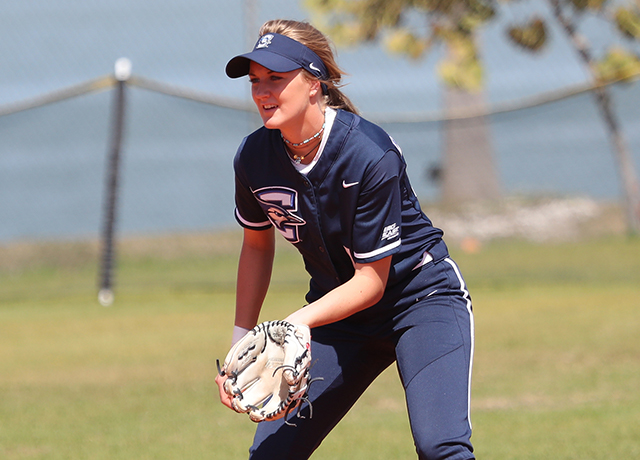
x: 282, y: 98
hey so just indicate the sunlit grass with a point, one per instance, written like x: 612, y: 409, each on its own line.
x: 556, y: 372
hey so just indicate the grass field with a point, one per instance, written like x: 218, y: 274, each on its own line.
x: 556, y: 376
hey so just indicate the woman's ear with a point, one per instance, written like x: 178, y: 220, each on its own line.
x: 315, y: 88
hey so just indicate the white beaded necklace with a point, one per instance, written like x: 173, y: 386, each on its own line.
x: 306, y: 141
x: 298, y: 158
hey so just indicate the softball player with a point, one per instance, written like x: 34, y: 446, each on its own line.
x: 383, y: 288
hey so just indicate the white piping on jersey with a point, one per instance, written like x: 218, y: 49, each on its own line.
x: 353, y: 262
x: 465, y: 295
x: 251, y: 224
x: 383, y: 249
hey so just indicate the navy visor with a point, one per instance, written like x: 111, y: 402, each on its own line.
x: 278, y: 53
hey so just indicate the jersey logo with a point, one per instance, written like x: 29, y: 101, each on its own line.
x: 350, y: 184
x: 390, y: 232
x: 279, y: 204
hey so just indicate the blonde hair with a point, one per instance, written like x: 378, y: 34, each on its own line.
x: 317, y: 42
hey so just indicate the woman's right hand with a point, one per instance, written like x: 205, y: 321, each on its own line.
x: 224, y: 397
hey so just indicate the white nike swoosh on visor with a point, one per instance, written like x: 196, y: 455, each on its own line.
x: 345, y: 185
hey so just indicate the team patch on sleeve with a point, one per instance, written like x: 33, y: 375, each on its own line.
x: 390, y: 232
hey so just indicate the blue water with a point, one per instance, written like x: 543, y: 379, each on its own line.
x: 176, y: 170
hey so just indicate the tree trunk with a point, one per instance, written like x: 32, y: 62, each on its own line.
x: 626, y: 170
x: 469, y: 172
x: 628, y: 177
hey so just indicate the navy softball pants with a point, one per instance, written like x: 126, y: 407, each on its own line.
x: 429, y: 334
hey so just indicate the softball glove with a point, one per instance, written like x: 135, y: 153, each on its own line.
x: 268, y: 370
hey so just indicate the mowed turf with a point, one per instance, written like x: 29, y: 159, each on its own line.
x: 556, y: 375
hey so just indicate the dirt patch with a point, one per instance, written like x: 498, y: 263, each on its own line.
x: 540, y: 220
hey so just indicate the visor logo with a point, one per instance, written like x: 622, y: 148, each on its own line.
x: 264, y: 41
x: 313, y: 67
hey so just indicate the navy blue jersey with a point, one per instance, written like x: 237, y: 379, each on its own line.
x: 355, y: 205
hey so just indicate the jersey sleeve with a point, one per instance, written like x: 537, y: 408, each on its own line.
x: 378, y: 220
x: 248, y: 212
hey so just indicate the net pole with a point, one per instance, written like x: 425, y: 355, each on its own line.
x: 105, y: 293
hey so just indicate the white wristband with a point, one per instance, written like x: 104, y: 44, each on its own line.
x: 238, y: 333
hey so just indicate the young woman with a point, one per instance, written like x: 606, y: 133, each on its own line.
x: 383, y: 288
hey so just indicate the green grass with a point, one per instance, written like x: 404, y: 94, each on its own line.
x: 556, y: 374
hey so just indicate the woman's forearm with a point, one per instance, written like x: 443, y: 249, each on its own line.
x: 254, y: 275
x: 365, y: 289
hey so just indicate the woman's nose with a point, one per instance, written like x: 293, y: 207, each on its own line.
x: 260, y: 91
